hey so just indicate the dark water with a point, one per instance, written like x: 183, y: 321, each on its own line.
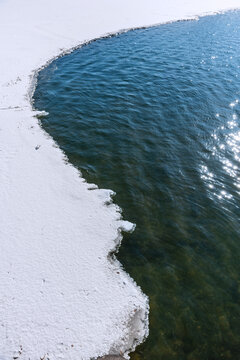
x: 154, y: 115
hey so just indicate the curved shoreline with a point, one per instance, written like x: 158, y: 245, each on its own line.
x: 56, y: 280
x: 33, y: 81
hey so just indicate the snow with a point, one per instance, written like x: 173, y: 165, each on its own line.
x: 61, y: 295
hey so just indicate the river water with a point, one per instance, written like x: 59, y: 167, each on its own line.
x: 153, y: 114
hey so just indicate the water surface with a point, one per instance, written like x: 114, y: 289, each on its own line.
x: 154, y: 115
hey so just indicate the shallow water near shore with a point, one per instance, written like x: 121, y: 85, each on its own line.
x: 153, y: 114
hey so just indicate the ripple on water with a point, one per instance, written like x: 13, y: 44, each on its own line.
x: 154, y: 115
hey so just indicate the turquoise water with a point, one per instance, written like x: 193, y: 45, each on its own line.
x: 154, y: 115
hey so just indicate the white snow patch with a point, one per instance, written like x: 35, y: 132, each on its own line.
x: 61, y: 295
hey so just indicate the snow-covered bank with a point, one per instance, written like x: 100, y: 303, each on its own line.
x: 60, y: 297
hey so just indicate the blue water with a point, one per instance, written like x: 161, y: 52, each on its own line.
x: 154, y: 115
